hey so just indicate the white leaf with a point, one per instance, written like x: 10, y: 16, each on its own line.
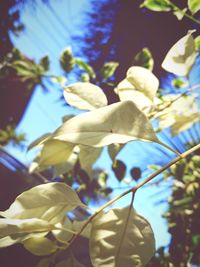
x: 14, y: 231
x: 117, y: 123
x: 53, y: 152
x: 184, y: 122
x: 88, y: 156
x: 49, y: 202
x: 84, y: 95
x: 181, y: 57
x: 143, y: 80
x: 126, y: 91
x: 39, y: 141
x: 121, y: 237
x: 114, y: 150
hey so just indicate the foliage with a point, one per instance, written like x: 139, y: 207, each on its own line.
x: 39, y: 218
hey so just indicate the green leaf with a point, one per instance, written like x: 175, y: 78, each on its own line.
x: 67, y: 61
x: 197, y: 42
x: 14, y: 231
x: 194, y: 6
x: 84, y: 95
x: 108, y: 69
x: 148, y: 86
x: 49, y: 202
x: 179, y: 83
x: 121, y: 237
x: 144, y: 59
x: 117, y: 123
x: 40, y: 246
x: 179, y: 13
x: 157, y: 5
x: 181, y: 57
x: 86, y: 67
x: 45, y: 63
x: 61, y: 80
x: 71, y: 262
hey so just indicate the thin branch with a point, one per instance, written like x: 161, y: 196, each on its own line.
x: 134, y: 189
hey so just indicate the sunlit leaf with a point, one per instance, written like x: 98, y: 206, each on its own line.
x: 108, y: 69
x: 194, y: 6
x: 114, y: 150
x: 179, y: 13
x: 71, y: 262
x: 144, y: 59
x: 126, y: 91
x: 143, y: 80
x: 15, y: 231
x: 88, y: 156
x: 157, y: 5
x: 40, y: 246
x: 117, y: 123
x: 184, y: 122
x: 39, y: 141
x: 86, y: 67
x: 49, y: 202
x: 121, y: 237
x: 181, y: 57
x: 84, y: 95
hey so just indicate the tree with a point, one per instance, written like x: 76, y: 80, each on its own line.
x: 37, y: 218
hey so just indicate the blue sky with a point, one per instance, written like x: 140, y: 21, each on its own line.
x: 48, y: 30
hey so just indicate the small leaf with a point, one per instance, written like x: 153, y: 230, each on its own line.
x: 41, y: 246
x: 119, y: 168
x: 179, y: 13
x: 59, y: 79
x: 44, y: 62
x: 181, y: 57
x: 144, y: 59
x: 49, y: 202
x: 86, y: 67
x: 114, y: 150
x: 179, y: 83
x: 84, y: 95
x: 197, y: 42
x: 121, y: 237
x: 148, y: 85
x: 117, y: 123
x: 194, y: 6
x: 157, y: 5
x: 71, y: 262
x: 136, y: 173
x: 108, y: 69
x: 67, y: 61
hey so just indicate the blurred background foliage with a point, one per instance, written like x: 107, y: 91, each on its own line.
x: 116, y: 33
